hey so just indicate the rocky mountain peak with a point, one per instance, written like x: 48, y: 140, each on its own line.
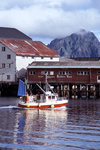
x: 80, y: 44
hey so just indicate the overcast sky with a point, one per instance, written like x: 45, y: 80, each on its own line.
x: 46, y: 20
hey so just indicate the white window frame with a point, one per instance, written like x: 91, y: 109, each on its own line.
x: 98, y: 80
x: 52, y: 73
x: 32, y: 72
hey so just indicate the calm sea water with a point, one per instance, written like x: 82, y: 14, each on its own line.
x: 74, y: 128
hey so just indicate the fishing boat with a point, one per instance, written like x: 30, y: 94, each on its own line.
x: 48, y: 99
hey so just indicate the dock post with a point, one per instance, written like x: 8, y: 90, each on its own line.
x: 87, y: 91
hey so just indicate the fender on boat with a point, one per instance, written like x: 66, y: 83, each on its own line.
x: 27, y: 98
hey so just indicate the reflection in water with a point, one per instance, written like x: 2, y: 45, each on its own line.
x: 76, y: 128
x: 32, y: 124
x: 84, y: 112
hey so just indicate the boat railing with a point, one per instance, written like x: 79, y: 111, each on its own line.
x: 41, y: 101
x: 61, y: 98
x: 44, y: 100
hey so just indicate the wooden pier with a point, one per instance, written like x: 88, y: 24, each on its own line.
x: 74, y: 91
x: 69, y: 90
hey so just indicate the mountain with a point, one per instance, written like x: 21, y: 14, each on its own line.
x: 82, y: 44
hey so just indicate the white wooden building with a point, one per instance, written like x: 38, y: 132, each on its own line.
x: 17, y: 51
x: 18, y: 54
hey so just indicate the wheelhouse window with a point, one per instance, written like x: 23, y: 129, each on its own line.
x: 49, y: 97
x: 53, y: 97
x: 8, y: 56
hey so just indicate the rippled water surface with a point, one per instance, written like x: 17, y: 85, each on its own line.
x: 74, y: 128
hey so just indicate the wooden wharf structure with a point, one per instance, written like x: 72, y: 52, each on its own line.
x: 73, y: 78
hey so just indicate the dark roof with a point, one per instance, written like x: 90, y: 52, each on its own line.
x: 87, y: 58
x: 12, y: 33
x: 29, y: 48
x: 69, y: 63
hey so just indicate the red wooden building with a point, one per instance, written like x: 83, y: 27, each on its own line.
x: 65, y: 72
x: 73, y: 74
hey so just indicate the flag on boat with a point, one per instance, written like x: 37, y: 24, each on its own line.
x: 21, y: 88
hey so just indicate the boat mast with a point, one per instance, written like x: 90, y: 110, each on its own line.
x: 40, y: 88
x: 46, y: 82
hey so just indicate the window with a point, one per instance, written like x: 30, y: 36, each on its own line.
x: 3, y: 65
x: 8, y: 56
x: 60, y: 73
x: 8, y: 77
x: 3, y: 49
x: 98, y: 72
x: 32, y: 72
x: 9, y: 65
x: 51, y: 72
x: 69, y: 72
x: 65, y: 72
x: 80, y: 72
x: 53, y: 97
x: 44, y: 72
x: 83, y: 73
x: 86, y: 73
x: 49, y: 97
x: 98, y: 79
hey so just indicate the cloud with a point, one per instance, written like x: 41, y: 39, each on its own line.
x: 48, y: 18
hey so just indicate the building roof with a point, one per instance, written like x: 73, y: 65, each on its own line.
x: 29, y: 48
x: 69, y: 63
x: 12, y: 33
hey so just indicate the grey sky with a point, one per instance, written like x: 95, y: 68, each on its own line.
x: 48, y: 19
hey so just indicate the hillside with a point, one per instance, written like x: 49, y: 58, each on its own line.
x: 82, y: 44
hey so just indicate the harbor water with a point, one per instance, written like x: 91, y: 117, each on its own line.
x: 76, y: 127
